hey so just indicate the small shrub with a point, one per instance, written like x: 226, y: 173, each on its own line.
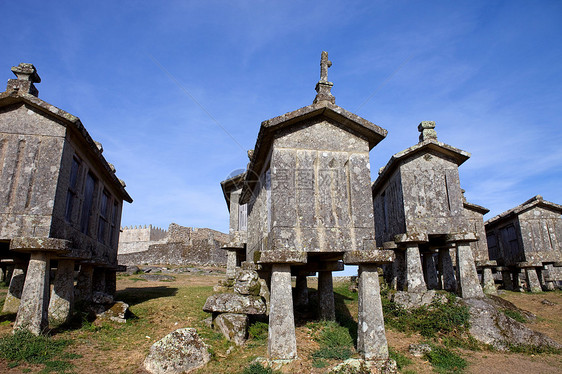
x: 258, y: 330
x: 514, y: 314
x: 401, y: 360
x: 445, y: 361
x: 257, y: 368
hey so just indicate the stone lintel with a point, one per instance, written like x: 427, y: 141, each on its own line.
x: 389, y: 245
x: 281, y: 257
x: 321, y: 266
x: 32, y: 244
x: 376, y: 256
x: 557, y: 264
x: 529, y: 264
x: 411, y: 238
x: 486, y: 264
x: 461, y: 237
x: 502, y: 268
x: 234, y: 246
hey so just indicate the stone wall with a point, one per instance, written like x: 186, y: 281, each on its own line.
x: 180, y: 246
x: 138, y: 239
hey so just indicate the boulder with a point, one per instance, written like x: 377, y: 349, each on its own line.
x: 247, y: 283
x: 234, y: 303
x: 419, y: 350
x: 158, y: 277
x: 181, y: 351
x: 412, y: 300
x: 116, y: 313
x: 489, y: 325
x: 233, y: 326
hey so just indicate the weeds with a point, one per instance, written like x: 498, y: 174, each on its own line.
x: 257, y: 368
x: 533, y: 350
x: 445, y: 361
x: 258, y: 331
x: 23, y: 346
x: 335, y: 342
x: 401, y: 360
x: 514, y: 314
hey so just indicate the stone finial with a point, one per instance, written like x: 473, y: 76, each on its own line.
x: 26, y: 75
x: 324, y: 87
x: 250, y: 154
x: 427, y: 130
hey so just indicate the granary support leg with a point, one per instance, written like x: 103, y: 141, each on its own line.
x: 110, y: 282
x: 13, y: 298
x: 516, y: 280
x: 84, y: 284
x: 488, y: 284
x: 301, y: 290
x: 326, y: 303
x: 33, y: 311
x: 506, y: 279
x: 230, y: 264
x: 447, y: 270
x: 469, y: 285
x: 414, y: 271
x: 98, y: 280
x: 2, y: 274
x: 282, y: 341
x: 62, y: 295
x: 533, y: 283
x: 430, y: 271
x: 371, y: 338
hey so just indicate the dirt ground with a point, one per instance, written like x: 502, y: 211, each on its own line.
x: 162, y: 307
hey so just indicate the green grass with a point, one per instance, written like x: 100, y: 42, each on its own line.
x: 431, y: 320
x: 514, y: 314
x: 258, y: 331
x: 401, y: 360
x: 445, y: 361
x: 533, y: 350
x: 335, y: 342
x: 24, y: 347
x: 257, y: 368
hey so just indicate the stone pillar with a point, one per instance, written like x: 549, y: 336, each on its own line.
x: 282, y: 341
x: 230, y: 263
x: 110, y: 282
x: 469, y: 285
x: 326, y: 303
x: 98, y: 280
x: 84, y: 284
x: 447, y: 270
x: 430, y: 271
x: 62, y: 295
x: 414, y: 272
x: 533, y: 284
x: 516, y: 280
x: 12, y: 301
x: 33, y: 311
x: 301, y: 291
x: 2, y: 274
x: 488, y: 284
x: 399, y: 269
x: 506, y: 279
x: 371, y: 338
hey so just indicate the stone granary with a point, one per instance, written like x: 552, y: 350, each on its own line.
x: 238, y: 223
x: 528, y: 237
x: 61, y: 207
x: 420, y: 210
x: 307, y: 188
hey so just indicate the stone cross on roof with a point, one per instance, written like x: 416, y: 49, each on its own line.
x: 323, y: 87
x: 26, y: 75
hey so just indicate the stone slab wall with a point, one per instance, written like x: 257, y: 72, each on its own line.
x: 389, y: 210
x: 541, y: 233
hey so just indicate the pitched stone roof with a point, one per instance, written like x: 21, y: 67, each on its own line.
x: 232, y: 183
x: 352, y: 122
x: 11, y: 97
x: 535, y: 201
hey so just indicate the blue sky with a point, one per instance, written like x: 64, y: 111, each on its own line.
x: 162, y: 85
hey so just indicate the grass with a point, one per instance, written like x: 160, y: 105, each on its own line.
x: 334, y: 340
x: 24, y: 347
x: 445, y: 361
x: 401, y: 360
x: 257, y: 368
x: 514, y: 314
x: 258, y: 331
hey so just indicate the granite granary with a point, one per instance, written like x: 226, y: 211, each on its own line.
x: 61, y: 207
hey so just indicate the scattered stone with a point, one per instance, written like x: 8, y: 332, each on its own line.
x: 490, y: 326
x: 233, y: 326
x: 116, y: 313
x: 360, y: 366
x: 412, y: 300
x: 547, y: 302
x: 247, y: 283
x: 234, y: 303
x: 208, y: 321
x: 181, y: 351
x: 132, y: 270
x: 419, y: 350
x: 157, y: 277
